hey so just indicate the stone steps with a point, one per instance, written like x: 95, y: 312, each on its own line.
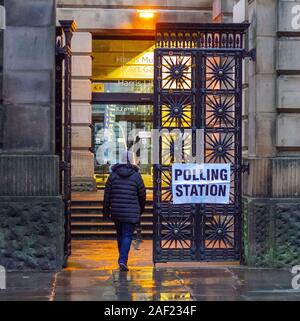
x: 87, y: 221
x: 102, y: 235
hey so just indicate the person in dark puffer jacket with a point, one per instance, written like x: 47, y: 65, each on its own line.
x: 124, y: 202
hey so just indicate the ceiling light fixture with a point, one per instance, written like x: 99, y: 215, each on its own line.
x: 146, y: 14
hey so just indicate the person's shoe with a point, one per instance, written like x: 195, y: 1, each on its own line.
x: 123, y: 267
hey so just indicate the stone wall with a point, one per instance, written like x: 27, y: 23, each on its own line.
x: 31, y: 233
x: 1, y: 79
x: 31, y: 210
x: 271, y: 231
x: 82, y: 156
x: 271, y: 144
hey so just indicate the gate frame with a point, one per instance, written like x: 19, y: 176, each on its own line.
x: 199, y: 38
x: 63, y: 121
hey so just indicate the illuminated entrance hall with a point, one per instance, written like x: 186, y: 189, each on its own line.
x: 122, y: 73
x: 197, y: 86
x: 122, y: 116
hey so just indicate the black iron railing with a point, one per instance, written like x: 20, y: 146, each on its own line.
x: 63, y: 121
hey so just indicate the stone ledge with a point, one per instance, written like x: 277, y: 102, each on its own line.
x: 31, y: 233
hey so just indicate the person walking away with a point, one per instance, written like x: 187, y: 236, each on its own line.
x: 124, y: 202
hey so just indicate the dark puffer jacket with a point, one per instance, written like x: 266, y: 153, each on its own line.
x: 125, y: 194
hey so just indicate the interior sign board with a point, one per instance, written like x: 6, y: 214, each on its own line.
x: 200, y: 183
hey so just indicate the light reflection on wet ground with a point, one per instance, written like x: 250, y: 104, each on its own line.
x: 92, y: 274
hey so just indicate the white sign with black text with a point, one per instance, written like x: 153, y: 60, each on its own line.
x: 201, y: 183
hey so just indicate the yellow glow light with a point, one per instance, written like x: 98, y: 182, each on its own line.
x: 146, y: 14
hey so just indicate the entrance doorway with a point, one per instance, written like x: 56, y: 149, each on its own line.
x: 189, y: 79
x: 122, y: 115
x: 122, y: 104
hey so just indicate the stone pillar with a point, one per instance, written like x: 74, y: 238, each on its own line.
x: 240, y: 15
x: 2, y: 27
x: 31, y: 209
x: 82, y: 157
x: 271, y: 190
x: 222, y: 10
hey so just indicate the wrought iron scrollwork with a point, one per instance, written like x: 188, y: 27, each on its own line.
x: 220, y: 72
x: 220, y: 148
x: 176, y: 72
x: 220, y: 111
x: 176, y: 111
x: 198, y: 85
x: 176, y: 231
x: 219, y: 232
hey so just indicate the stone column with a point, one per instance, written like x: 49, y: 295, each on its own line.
x: 271, y: 190
x: 31, y: 209
x: 2, y: 27
x: 82, y: 157
x: 240, y: 15
x: 222, y: 10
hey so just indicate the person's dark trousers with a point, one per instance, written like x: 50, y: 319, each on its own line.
x: 124, y: 236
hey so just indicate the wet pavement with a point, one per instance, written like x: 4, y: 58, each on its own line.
x: 92, y: 274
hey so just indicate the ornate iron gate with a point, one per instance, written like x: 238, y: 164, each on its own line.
x: 63, y: 120
x: 198, y: 85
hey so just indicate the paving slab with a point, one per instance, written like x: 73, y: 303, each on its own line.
x: 92, y: 275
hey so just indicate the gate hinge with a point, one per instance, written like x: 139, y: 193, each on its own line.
x: 245, y: 168
x: 250, y: 54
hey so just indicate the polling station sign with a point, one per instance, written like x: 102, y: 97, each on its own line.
x: 201, y: 183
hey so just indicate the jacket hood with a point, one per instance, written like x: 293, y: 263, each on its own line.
x: 125, y: 170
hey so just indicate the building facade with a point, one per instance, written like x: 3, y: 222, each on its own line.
x: 112, y: 54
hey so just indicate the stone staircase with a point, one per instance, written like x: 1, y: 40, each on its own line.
x: 88, y: 221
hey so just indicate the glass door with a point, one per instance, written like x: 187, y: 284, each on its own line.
x: 122, y: 104
x: 118, y: 127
